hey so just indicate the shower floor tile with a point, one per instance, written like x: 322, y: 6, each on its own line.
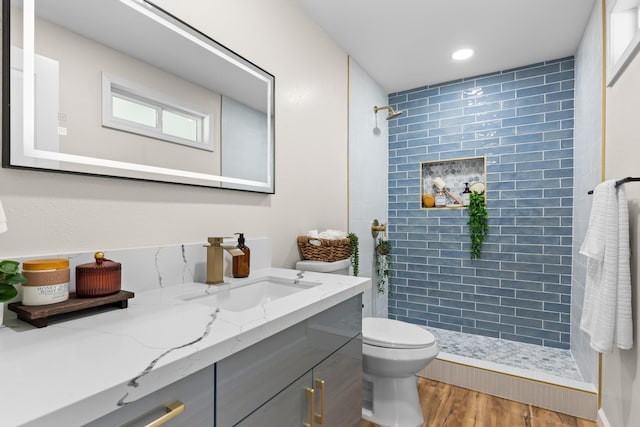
x: 548, y: 360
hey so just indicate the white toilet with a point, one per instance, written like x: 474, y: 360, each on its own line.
x: 393, y: 352
x: 336, y: 267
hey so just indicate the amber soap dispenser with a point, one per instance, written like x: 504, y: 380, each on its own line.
x: 241, y: 262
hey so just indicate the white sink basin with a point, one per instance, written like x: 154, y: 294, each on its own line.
x: 251, y: 293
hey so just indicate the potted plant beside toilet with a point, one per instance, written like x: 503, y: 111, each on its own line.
x: 10, y: 276
x: 383, y: 263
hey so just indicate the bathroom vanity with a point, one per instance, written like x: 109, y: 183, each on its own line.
x: 319, y: 359
x: 282, y: 350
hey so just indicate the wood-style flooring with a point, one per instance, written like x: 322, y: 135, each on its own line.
x: 444, y: 405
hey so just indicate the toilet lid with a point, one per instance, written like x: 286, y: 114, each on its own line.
x: 322, y: 266
x: 395, y: 334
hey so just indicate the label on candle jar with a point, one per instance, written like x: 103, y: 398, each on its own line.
x: 40, y: 295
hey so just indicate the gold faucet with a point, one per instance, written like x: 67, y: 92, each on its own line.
x: 215, y: 259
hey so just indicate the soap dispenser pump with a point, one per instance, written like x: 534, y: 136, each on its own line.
x: 466, y: 195
x: 241, y: 262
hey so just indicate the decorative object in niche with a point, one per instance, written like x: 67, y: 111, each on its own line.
x: 428, y: 201
x: 466, y: 194
x: 55, y: 75
x: 449, y: 177
x: 442, y: 186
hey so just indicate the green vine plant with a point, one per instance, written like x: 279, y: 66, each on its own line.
x: 355, y: 254
x: 383, y: 263
x: 478, y: 223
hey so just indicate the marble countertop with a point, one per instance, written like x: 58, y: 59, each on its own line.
x: 80, y: 369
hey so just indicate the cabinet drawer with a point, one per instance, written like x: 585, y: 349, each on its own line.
x: 289, y: 408
x: 247, y: 379
x: 196, y: 392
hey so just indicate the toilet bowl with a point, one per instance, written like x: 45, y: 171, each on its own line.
x: 393, y: 352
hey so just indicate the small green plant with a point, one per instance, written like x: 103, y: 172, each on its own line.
x: 383, y: 263
x: 355, y: 254
x: 478, y: 223
x: 9, y: 277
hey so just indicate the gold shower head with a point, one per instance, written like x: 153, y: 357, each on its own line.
x: 392, y: 113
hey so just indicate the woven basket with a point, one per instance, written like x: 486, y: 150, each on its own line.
x: 328, y: 251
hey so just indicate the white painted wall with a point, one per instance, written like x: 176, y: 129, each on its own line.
x: 621, y: 369
x: 55, y: 213
x: 368, y: 175
x: 587, y: 174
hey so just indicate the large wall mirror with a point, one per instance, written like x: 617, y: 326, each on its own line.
x: 122, y: 88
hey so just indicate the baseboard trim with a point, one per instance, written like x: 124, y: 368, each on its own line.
x: 559, y: 398
x: 602, y: 420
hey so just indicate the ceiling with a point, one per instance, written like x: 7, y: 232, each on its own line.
x: 405, y: 44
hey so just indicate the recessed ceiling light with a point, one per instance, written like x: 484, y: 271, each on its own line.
x: 462, y: 54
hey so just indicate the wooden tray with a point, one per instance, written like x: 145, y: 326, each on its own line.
x: 38, y: 315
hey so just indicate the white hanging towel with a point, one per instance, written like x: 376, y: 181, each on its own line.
x: 606, y: 311
x: 3, y: 220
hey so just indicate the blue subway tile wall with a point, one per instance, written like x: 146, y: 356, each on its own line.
x: 522, y: 121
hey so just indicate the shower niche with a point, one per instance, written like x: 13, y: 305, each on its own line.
x: 447, y: 179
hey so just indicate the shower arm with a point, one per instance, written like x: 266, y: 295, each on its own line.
x: 376, y: 109
x: 392, y: 113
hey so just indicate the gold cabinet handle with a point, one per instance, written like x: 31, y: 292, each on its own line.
x: 309, y: 392
x: 320, y: 417
x: 173, y: 410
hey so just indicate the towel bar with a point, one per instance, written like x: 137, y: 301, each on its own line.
x: 620, y: 182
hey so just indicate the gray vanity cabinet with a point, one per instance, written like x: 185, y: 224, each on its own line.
x: 342, y: 377
x: 195, y: 392
x: 337, y: 380
x: 270, y: 383
x: 289, y: 408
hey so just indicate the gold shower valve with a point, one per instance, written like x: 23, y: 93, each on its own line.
x: 376, y: 227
